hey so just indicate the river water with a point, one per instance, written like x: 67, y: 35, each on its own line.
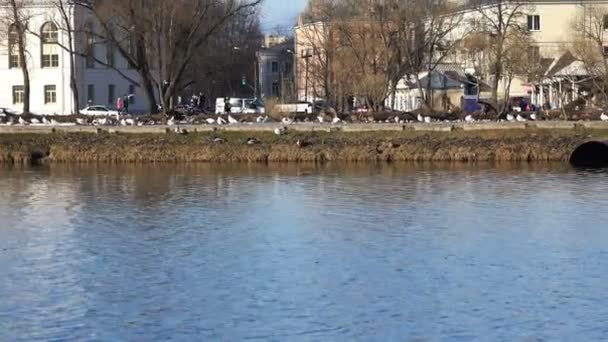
x: 303, y: 253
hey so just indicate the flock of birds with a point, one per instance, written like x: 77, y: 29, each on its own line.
x: 230, y: 120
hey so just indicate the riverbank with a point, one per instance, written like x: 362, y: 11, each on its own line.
x: 530, y: 144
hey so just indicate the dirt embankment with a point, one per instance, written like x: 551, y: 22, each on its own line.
x: 466, y: 146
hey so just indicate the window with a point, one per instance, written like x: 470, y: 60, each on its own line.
x: 50, y: 48
x: 605, y: 50
x: 131, y: 94
x: 110, y: 59
x: 132, y: 51
x: 275, y: 89
x: 534, y: 54
x: 13, y: 40
x: 111, y: 94
x: 534, y: 23
x: 91, y: 93
x: 50, y: 94
x: 90, y: 46
x: 275, y: 67
x: 605, y: 22
x: 18, y: 94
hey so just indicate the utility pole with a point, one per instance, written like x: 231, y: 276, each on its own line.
x: 306, y: 54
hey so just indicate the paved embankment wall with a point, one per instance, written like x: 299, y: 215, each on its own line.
x: 535, y: 141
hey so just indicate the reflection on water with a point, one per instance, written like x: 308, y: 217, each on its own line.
x: 303, y: 252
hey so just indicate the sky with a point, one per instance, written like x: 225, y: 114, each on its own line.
x: 280, y: 12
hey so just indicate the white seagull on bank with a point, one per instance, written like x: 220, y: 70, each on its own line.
x: 23, y: 122
x: 604, y: 117
x: 287, y: 121
x: 45, y: 121
x: 210, y: 121
x: 280, y: 130
x: 510, y: 117
x: 469, y: 118
x: 54, y: 122
x: 427, y: 119
x: 171, y: 122
x: 34, y: 121
x: 533, y: 117
x: 320, y: 119
x: 336, y: 120
x: 232, y: 120
x: 221, y: 121
x: 520, y: 118
x: 420, y: 118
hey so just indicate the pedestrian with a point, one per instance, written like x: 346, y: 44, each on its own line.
x: 119, y: 104
x: 227, y: 106
x: 126, y: 104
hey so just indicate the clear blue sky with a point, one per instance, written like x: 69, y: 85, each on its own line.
x: 281, y: 12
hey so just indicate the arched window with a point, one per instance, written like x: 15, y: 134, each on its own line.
x: 13, y: 47
x: 50, y: 50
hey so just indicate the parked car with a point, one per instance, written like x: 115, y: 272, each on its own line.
x: 98, y: 110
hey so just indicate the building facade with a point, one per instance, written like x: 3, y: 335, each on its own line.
x: 48, y: 63
x: 275, y: 71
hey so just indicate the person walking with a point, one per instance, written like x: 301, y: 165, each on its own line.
x: 227, y: 106
x: 119, y: 104
x: 126, y: 104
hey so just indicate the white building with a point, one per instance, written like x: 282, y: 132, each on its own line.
x: 48, y: 62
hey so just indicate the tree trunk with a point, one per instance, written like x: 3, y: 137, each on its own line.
x: 20, y: 26
x: 148, y: 89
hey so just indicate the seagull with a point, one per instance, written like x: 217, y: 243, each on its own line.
x: 34, y: 121
x: 469, y: 118
x: 287, y: 121
x: 80, y: 121
x: 45, y: 121
x: 253, y: 141
x: 210, y: 121
x: 280, y: 130
x: 232, y: 120
x: 171, y: 122
x: 320, y: 118
x: 123, y: 122
x: 130, y: 122
x: 510, y: 117
x: 219, y: 140
x: 23, y: 122
x: 604, y: 117
x: 54, y: 122
x: 533, y: 116
x: 420, y: 118
x: 336, y: 120
x: 10, y: 122
x: 181, y: 131
x: 397, y: 119
x: 140, y: 123
x: 427, y: 119
x: 221, y: 121
x: 103, y: 121
x: 520, y: 118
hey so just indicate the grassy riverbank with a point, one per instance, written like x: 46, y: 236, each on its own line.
x: 487, y: 145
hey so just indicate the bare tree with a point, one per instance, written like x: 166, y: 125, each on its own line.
x: 588, y: 39
x: 502, y: 21
x: 159, y: 39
